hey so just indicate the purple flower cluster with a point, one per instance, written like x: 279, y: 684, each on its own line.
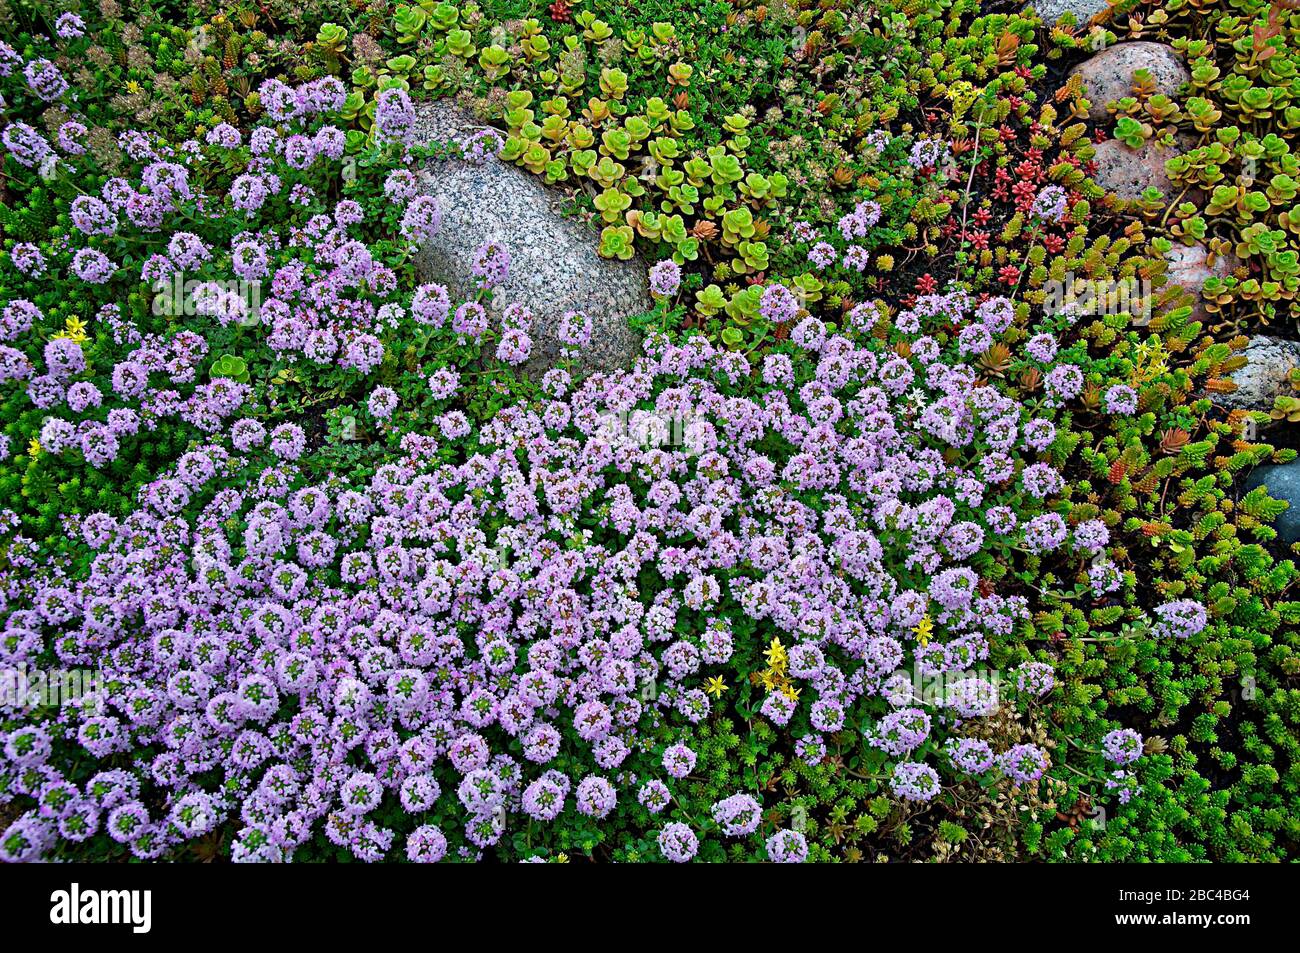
x: 1024, y: 763
x: 1123, y: 746
x: 351, y: 640
x: 1180, y: 619
x: 914, y: 781
x: 45, y: 80
x: 787, y: 847
x: 665, y: 278
x: 927, y: 153
x: 1120, y: 399
x: 490, y: 265
x: 1050, y: 204
x: 737, y: 815
x: 482, y: 145
x: 394, y: 115
x: 859, y: 222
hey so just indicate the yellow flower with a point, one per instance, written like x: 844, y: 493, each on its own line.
x: 924, y: 629
x: 768, y: 678
x: 74, y: 329
x: 775, y: 654
x: 34, y: 448
x: 790, y: 692
x: 1151, y: 362
x: 962, y: 94
x: 714, y: 686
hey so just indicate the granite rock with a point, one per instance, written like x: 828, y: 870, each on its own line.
x: 1129, y: 172
x: 554, y: 265
x: 1108, y: 75
x: 1264, y: 376
x: 1084, y: 10
x: 1189, y: 267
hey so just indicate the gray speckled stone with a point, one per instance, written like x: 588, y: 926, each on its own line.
x: 1108, y: 75
x: 1084, y: 10
x: 1282, y: 480
x: 1130, y: 172
x: 554, y: 265
x: 1265, y: 375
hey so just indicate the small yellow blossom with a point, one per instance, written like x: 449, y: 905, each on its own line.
x: 714, y: 686
x: 924, y: 629
x: 34, y: 448
x: 74, y: 329
x: 776, y: 654
x: 1151, y: 361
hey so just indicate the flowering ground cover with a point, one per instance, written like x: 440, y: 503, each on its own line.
x: 917, y: 530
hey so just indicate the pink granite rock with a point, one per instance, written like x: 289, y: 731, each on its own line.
x: 1128, y: 172
x: 1108, y: 75
x: 1188, y: 268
